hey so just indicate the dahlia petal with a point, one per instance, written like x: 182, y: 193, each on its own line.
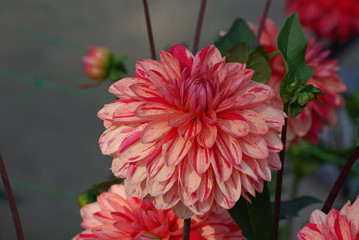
x: 191, y: 129
x: 271, y: 115
x: 246, y: 169
x: 273, y: 141
x: 167, y: 200
x: 308, y: 234
x: 158, y: 188
x: 136, y: 189
x: 111, y: 139
x: 119, y: 168
x: 233, y: 124
x: 106, y: 113
x: 221, y: 167
x: 201, y: 208
x: 208, y: 135
x: 121, y: 89
x: 177, y: 119
x: 241, y: 81
x: 215, y: 231
x: 136, y: 171
x: 171, y: 65
x: 189, y: 179
x: 254, y: 146
x: 175, y: 148
x: 229, y: 148
x: 187, y: 198
x: 152, y: 110
x: 145, y: 92
x: 256, y: 124
x: 156, y: 167
x: 205, y: 188
x: 264, y: 172
x: 235, y: 102
x: 261, y: 91
x: 87, y: 213
x: 318, y: 217
x: 248, y: 184
x: 147, y: 66
x: 274, y: 161
x: 302, y: 124
x: 342, y: 228
x: 330, y: 220
x: 221, y: 199
x: 232, y: 187
x: 132, y: 150
x: 184, y: 56
x: 200, y: 158
x: 182, y: 211
x: 126, y: 113
x: 155, y: 130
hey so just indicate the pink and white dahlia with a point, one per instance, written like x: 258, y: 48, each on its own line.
x: 115, y: 215
x: 309, y: 124
x: 193, y: 133
x: 336, y: 225
x: 329, y: 19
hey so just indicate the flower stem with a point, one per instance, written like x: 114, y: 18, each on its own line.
x: 186, y: 228
x: 340, y: 180
x: 149, y: 30
x: 261, y: 25
x: 278, y: 191
x: 10, y: 196
x: 199, y: 26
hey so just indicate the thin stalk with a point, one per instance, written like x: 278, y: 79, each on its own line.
x: 199, y: 26
x: 264, y: 17
x: 11, y: 199
x: 278, y: 191
x: 149, y: 30
x: 340, y: 180
x: 186, y: 228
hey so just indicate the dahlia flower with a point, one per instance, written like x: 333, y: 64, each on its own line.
x: 97, y: 63
x: 338, y: 225
x: 115, y: 215
x: 193, y: 133
x: 315, y: 115
x: 329, y: 19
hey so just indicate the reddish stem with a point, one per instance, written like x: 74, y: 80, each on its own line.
x: 264, y: 17
x: 199, y: 26
x: 11, y: 199
x: 149, y: 30
x: 278, y: 191
x: 186, y: 228
x: 340, y: 180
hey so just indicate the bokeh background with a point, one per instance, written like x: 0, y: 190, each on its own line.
x: 48, y: 127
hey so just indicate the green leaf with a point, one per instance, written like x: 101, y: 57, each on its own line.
x: 292, y: 207
x: 292, y: 44
x: 91, y: 194
x: 239, y: 32
x: 238, y: 53
x: 295, y: 109
x: 254, y: 219
x: 259, y: 62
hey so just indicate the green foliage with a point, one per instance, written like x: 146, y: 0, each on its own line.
x: 91, y: 194
x: 116, y: 67
x: 292, y: 45
x: 305, y: 158
x: 292, y: 207
x: 255, y: 218
x: 239, y: 32
x: 258, y: 60
x: 238, y: 53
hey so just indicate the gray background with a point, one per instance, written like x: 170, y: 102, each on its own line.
x: 48, y: 127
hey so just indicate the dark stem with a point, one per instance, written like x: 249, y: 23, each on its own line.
x: 186, y: 228
x: 199, y: 26
x: 278, y: 191
x: 10, y: 196
x: 149, y: 30
x: 264, y: 17
x: 340, y: 180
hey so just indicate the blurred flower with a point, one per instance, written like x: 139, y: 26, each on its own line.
x: 193, y: 133
x: 315, y: 115
x: 97, y: 64
x: 343, y: 225
x: 329, y: 19
x: 115, y: 215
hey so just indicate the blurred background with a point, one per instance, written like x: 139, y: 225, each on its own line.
x: 48, y: 126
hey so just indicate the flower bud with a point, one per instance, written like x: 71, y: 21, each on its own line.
x: 97, y: 63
